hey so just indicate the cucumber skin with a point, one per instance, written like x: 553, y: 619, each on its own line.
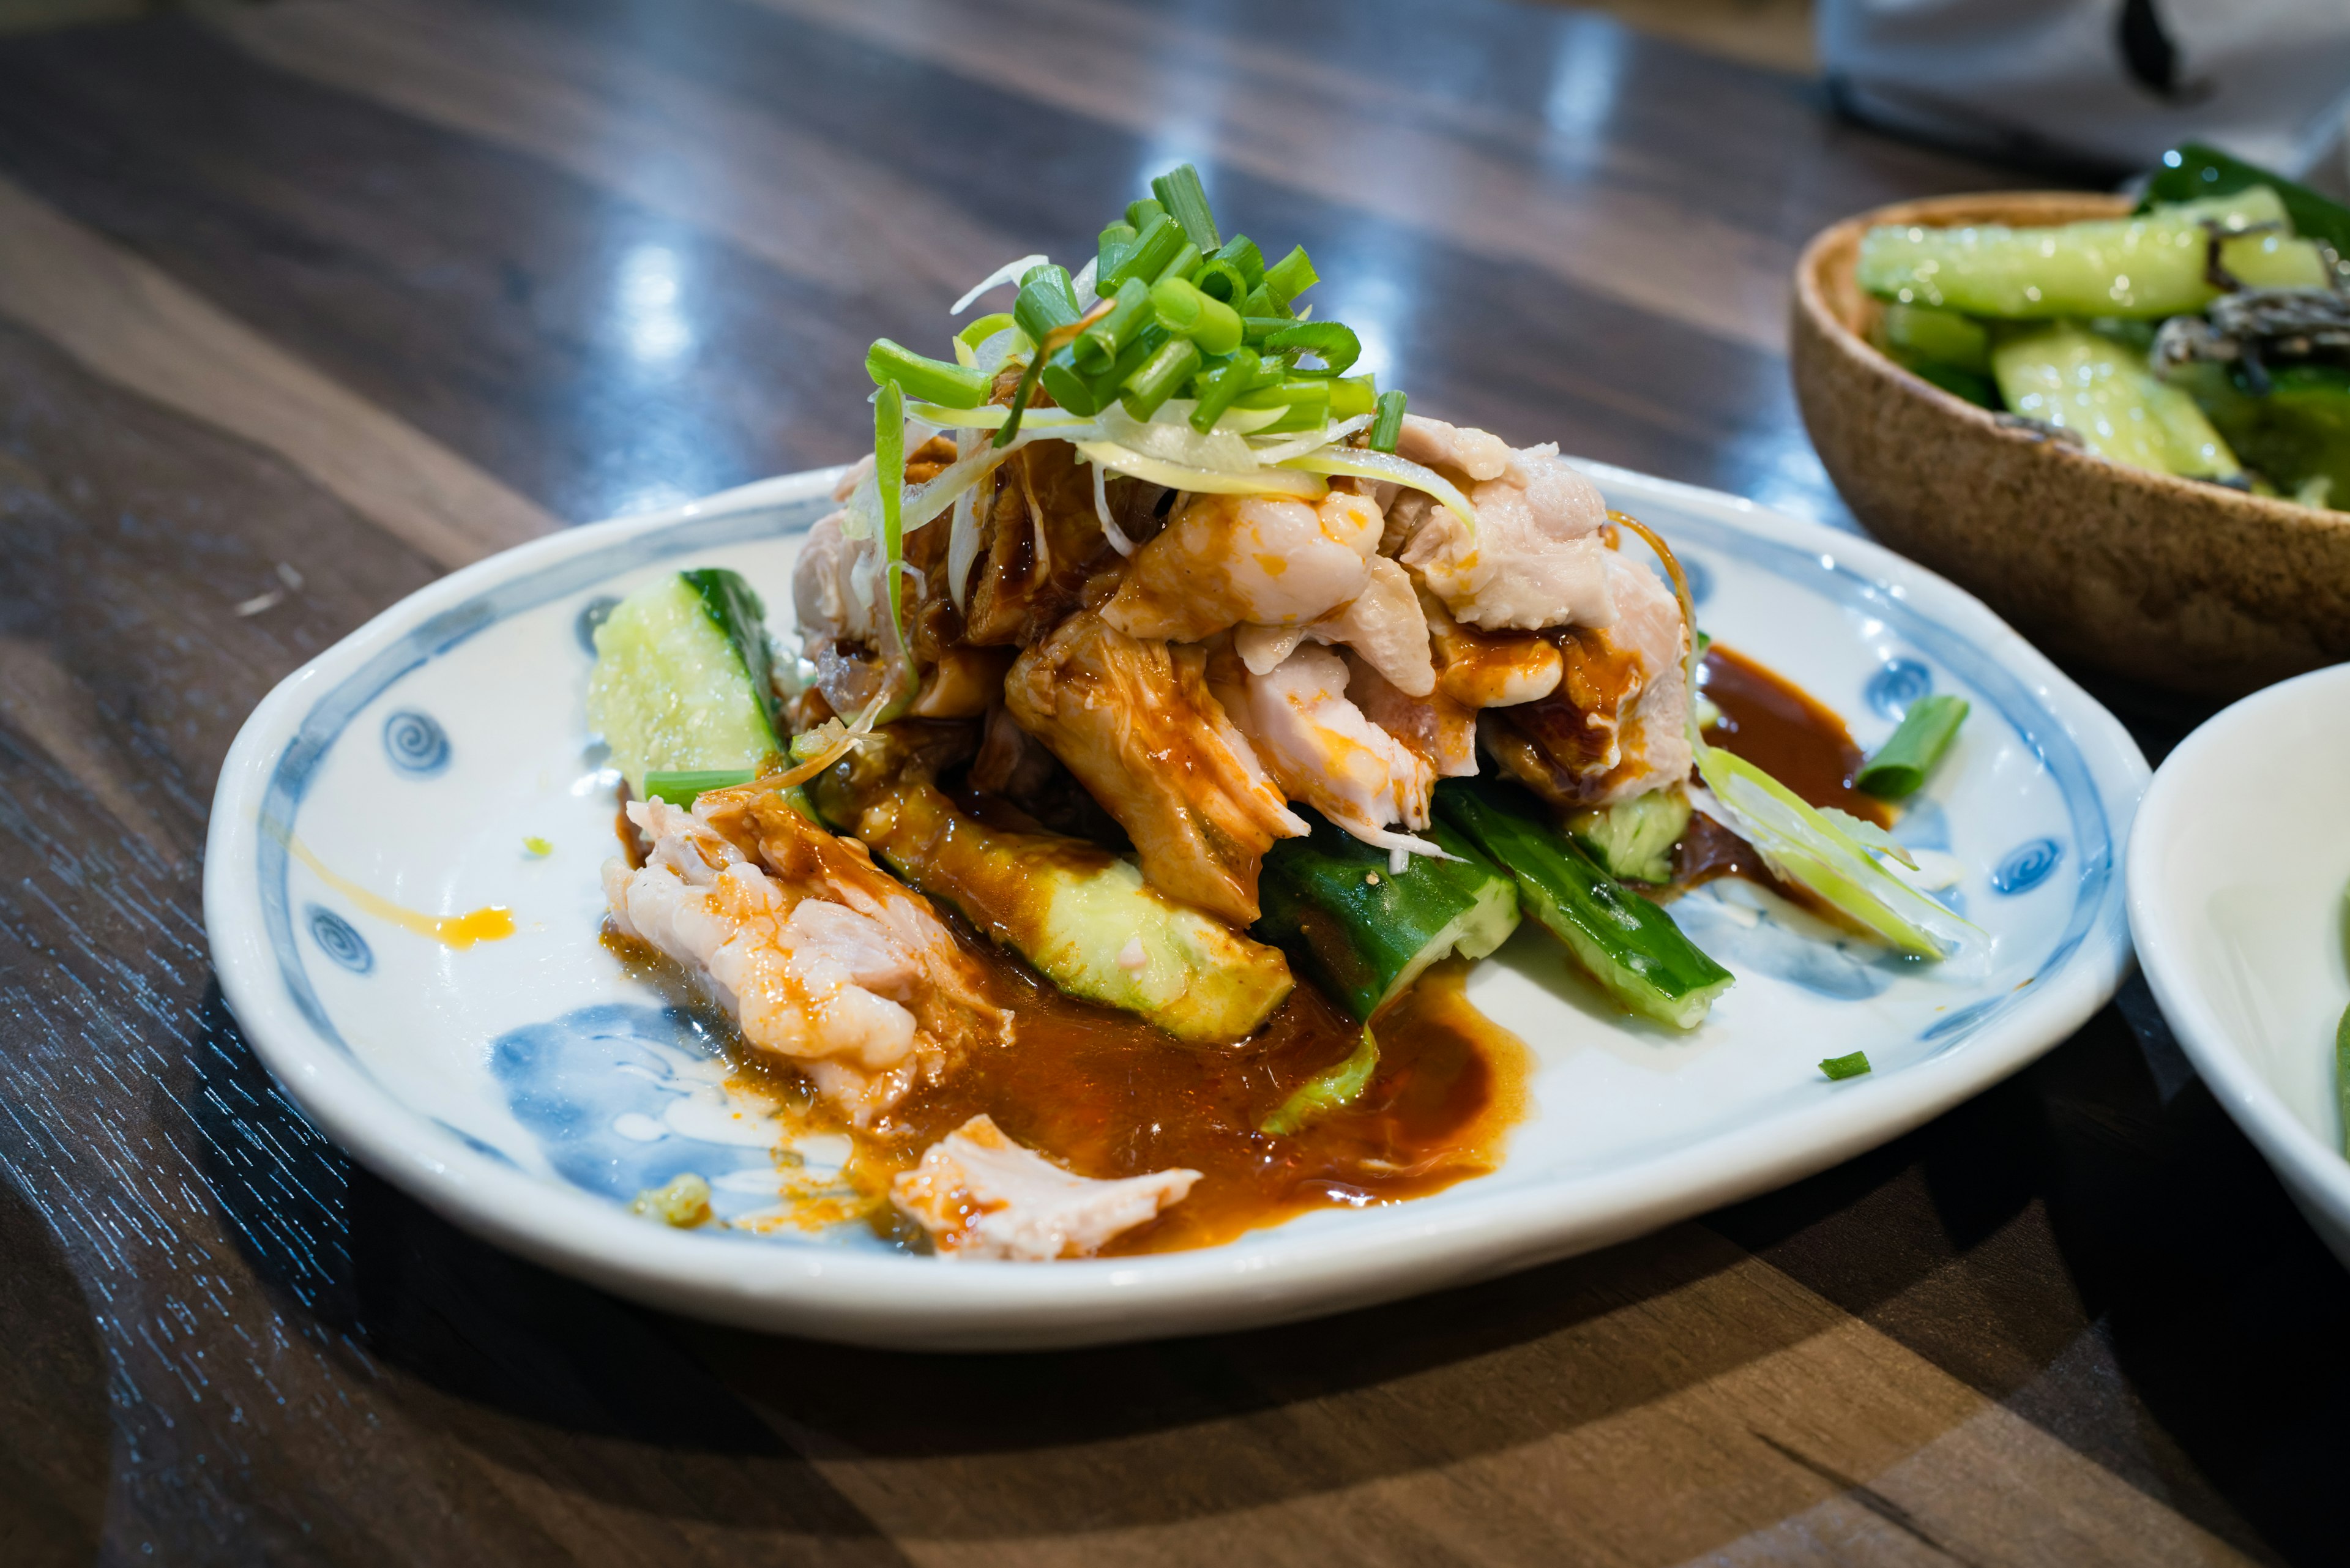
x: 671, y: 690
x: 1625, y: 943
x: 2204, y: 172
x: 737, y: 611
x: 2102, y: 389
x: 1069, y: 909
x: 2296, y: 432
x: 2141, y: 267
x: 1364, y: 941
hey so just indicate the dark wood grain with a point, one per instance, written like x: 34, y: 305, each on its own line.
x: 307, y: 303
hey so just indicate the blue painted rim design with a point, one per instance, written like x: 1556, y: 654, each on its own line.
x: 2036, y: 726
x: 416, y: 743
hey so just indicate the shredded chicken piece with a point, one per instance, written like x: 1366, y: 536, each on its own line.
x: 1490, y: 668
x: 981, y: 1195
x: 1135, y: 721
x: 1617, y: 724
x: 1042, y: 543
x: 1478, y: 454
x: 1228, y: 559
x: 1322, y: 750
x: 1536, y: 558
x: 825, y: 963
x: 1383, y: 624
x: 1440, y: 731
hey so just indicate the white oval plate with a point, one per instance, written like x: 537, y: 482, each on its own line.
x: 2237, y: 871
x: 527, y: 1088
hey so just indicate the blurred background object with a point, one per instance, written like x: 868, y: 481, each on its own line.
x: 2103, y: 85
x: 1773, y: 33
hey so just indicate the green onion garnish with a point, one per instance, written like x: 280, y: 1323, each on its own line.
x: 1046, y: 301
x: 1070, y: 388
x: 1260, y: 304
x: 1839, y: 1068
x: 1285, y: 392
x: 1159, y: 377
x: 889, y: 475
x: 985, y: 327
x: 1925, y: 733
x: 1334, y: 343
x: 684, y: 787
x: 1117, y: 240
x: 1386, y: 425
x: 1139, y: 213
x: 1290, y: 276
x: 1220, y: 280
x: 1241, y: 252
x: 1184, y: 262
x: 1332, y: 1089
x: 932, y: 380
x: 1353, y: 395
x: 1187, y: 312
x: 1186, y: 201
x: 1215, y: 389
x: 1155, y: 244
x: 1097, y: 347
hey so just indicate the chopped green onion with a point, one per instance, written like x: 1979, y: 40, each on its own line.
x: 1304, y: 414
x: 1157, y: 244
x: 683, y: 787
x: 1160, y: 376
x: 1097, y: 347
x: 1842, y: 1067
x: 1069, y: 387
x: 1260, y: 305
x: 1353, y: 395
x: 985, y: 327
x: 1284, y: 391
x: 1221, y: 280
x: 1901, y: 764
x: 1241, y: 253
x: 1334, y: 343
x: 1290, y: 276
x: 1185, y: 263
x: 932, y: 380
x: 1216, y: 388
x: 1332, y: 1089
x: 1389, y: 426
x: 1186, y: 201
x: 1020, y: 395
x: 1187, y: 312
x: 889, y: 475
x: 1139, y: 213
x: 1117, y: 240
x: 1046, y: 301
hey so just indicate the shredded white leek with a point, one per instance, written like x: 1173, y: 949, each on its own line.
x: 1110, y: 530
x: 962, y: 537
x: 1279, y: 448
x: 1010, y: 271
x: 1283, y: 482
x: 991, y: 417
x: 1363, y: 464
x: 926, y: 502
x: 1082, y: 285
x: 1218, y: 449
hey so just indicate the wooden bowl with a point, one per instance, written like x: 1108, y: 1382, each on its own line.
x: 2164, y: 580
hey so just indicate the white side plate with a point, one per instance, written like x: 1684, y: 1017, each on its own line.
x: 527, y: 1088
x: 2237, y: 871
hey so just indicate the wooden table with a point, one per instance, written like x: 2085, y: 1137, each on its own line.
x: 304, y: 304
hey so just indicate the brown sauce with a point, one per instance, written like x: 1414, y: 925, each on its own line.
x: 1780, y: 729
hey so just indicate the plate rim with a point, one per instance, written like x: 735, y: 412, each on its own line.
x: 2299, y: 1156
x: 864, y: 1298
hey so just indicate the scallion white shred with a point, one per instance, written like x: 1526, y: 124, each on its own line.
x: 1365, y: 464
x: 1010, y: 271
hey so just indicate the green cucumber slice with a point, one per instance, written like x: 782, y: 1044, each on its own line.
x: 681, y: 683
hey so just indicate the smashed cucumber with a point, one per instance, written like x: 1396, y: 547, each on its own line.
x: 681, y: 680
x: 1085, y: 919
x: 2191, y: 171
x: 2297, y: 432
x: 2145, y: 266
x: 1363, y: 933
x: 1634, y: 838
x: 2101, y: 389
x: 1625, y: 943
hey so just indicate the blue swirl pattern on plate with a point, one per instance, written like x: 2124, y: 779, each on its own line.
x: 337, y: 940
x: 2026, y: 867
x: 416, y: 745
x: 1900, y: 682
